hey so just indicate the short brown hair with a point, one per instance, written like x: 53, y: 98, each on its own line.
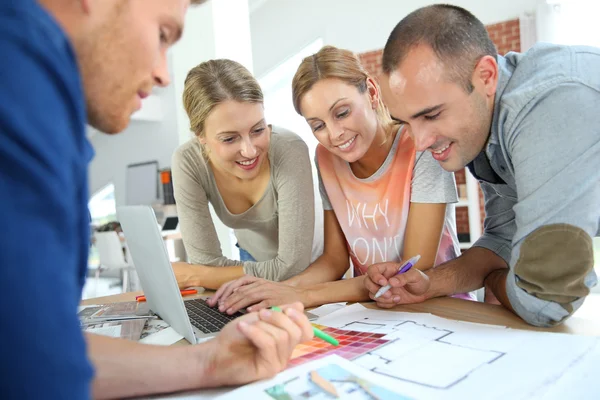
x: 456, y: 36
x: 331, y: 62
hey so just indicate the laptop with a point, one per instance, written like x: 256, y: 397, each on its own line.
x: 193, y: 319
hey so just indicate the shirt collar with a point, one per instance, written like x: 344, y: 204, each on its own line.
x: 505, y: 71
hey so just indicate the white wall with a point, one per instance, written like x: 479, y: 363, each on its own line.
x: 280, y: 28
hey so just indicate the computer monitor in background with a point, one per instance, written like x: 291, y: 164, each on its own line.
x: 142, y: 184
x: 170, y: 224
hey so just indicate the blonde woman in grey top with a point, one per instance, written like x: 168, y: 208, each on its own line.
x: 257, y: 178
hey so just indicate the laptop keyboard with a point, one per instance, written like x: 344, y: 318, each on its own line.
x: 206, y: 318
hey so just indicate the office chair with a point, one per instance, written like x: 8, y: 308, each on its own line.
x: 111, y: 255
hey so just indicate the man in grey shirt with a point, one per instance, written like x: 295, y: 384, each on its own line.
x: 528, y: 127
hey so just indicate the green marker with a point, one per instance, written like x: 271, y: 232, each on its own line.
x: 318, y: 333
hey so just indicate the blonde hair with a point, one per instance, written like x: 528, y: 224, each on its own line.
x: 331, y: 62
x: 213, y: 82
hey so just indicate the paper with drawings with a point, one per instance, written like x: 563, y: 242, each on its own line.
x: 327, y: 309
x: 578, y: 382
x: 431, y: 357
x: 323, y: 379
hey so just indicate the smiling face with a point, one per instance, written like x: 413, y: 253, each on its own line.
x: 442, y: 117
x: 123, y: 56
x: 237, y: 138
x: 341, y: 117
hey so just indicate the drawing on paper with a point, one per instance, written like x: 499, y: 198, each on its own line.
x: 330, y: 381
x: 430, y: 357
x: 409, y: 343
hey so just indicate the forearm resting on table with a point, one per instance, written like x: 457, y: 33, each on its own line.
x: 495, y: 282
x: 126, y: 369
x: 464, y: 273
x: 206, y: 276
x: 350, y: 290
x: 324, y: 269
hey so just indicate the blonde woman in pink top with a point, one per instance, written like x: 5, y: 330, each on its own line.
x: 383, y: 201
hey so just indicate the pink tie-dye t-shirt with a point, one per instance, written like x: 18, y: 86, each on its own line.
x: 373, y: 212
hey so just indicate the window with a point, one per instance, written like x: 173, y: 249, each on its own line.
x: 277, y: 88
x: 570, y: 22
x: 102, y: 209
x: 102, y: 205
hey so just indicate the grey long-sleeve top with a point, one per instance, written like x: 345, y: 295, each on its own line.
x: 277, y: 231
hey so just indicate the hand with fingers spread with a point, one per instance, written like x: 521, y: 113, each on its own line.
x: 409, y: 287
x: 261, y: 294
x: 255, y: 346
x: 230, y: 287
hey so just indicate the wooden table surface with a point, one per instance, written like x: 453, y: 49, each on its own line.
x: 457, y: 309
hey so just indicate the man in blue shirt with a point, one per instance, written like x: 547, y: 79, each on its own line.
x: 528, y: 127
x: 67, y: 62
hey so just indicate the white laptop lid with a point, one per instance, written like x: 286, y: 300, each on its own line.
x: 152, y: 264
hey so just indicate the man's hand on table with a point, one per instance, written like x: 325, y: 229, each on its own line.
x: 255, y: 346
x: 406, y: 288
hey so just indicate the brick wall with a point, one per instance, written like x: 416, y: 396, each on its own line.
x: 371, y: 61
x: 462, y: 214
x: 506, y: 37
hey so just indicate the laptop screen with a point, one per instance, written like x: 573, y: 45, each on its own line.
x: 170, y: 224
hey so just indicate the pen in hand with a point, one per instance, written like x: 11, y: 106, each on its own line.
x: 403, y: 268
x: 317, y: 332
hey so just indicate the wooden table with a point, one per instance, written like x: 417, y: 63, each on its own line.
x: 457, y: 309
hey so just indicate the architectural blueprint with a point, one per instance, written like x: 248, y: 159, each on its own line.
x: 431, y: 357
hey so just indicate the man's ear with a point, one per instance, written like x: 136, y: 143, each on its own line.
x: 486, y: 75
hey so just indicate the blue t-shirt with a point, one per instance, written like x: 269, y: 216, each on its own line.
x: 44, y: 238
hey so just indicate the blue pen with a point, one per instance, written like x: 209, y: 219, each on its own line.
x: 403, y: 268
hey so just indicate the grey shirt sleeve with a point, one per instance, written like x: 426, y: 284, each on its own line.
x: 430, y: 182
x: 554, y: 152
x: 499, y: 222
x: 195, y: 222
x: 322, y: 191
x: 296, y: 209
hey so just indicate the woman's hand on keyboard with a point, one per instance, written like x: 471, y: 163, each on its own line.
x: 262, y: 294
x: 230, y: 287
x: 255, y: 346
